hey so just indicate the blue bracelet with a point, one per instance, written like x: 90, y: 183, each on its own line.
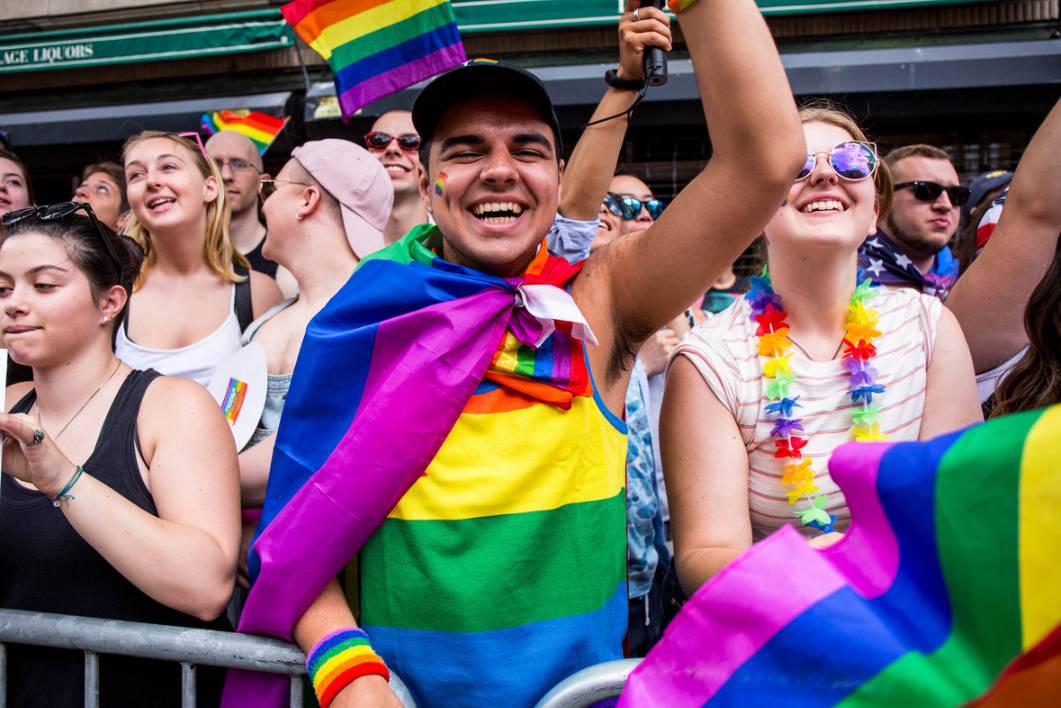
x: 65, y: 493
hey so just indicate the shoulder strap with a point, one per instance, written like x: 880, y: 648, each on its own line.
x: 244, y: 308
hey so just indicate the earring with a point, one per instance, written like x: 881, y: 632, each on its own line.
x: 298, y: 217
x: 106, y: 319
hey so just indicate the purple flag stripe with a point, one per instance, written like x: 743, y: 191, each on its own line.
x: 869, y: 552
x: 689, y: 664
x: 354, y: 98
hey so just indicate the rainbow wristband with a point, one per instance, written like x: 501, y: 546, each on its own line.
x: 677, y: 6
x: 338, y: 659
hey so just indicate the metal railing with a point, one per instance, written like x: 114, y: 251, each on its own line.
x: 195, y: 647
x: 189, y: 647
x: 592, y: 684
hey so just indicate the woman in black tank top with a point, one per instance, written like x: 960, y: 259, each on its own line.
x: 120, y: 495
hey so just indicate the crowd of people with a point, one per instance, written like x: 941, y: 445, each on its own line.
x: 572, y: 465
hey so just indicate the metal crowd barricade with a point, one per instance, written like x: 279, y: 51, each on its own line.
x: 592, y: 684
x: 189, y: 647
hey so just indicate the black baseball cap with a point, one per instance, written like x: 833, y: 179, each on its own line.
x: 482, y: 77
x: 981, y: 185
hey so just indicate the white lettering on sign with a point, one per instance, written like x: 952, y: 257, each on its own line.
x: 66, y: 52
x: 16, y: 56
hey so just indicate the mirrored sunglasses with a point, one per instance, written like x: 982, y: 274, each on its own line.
x: 629, y: 207
x: 930, y: 191
x: 851, y: 161
x: 379, y: 141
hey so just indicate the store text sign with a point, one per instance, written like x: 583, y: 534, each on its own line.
x: 48, y: 54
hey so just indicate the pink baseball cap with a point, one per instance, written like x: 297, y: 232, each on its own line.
x: 360, y: 184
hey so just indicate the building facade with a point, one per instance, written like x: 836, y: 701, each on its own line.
x: 79, y: 76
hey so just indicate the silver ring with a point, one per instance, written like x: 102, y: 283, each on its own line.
x: 38, y: 438
x: 637, y: 14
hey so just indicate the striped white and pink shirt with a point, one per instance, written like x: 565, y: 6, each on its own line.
x: 724, y: 350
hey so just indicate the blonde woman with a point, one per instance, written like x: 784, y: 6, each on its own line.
x: 760, y: 395
x: 195, y: 293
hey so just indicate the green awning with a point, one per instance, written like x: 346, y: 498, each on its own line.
x: 212, y: 35
x: 499, y: 15
x: 160, y: 40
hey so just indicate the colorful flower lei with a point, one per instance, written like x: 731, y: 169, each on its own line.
x: 780, y: 383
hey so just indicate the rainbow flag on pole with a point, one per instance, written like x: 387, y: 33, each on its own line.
x: 378, y: 47
x: 261, y: 128
x: 948, y: 574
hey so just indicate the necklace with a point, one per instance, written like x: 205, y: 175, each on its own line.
x: 859, y: 333
x: 807, y: 354
x: 85, y: 404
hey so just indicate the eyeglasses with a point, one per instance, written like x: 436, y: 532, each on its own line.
x: 198, y: 141
x: 267, y: 187
x: 236, y: 165
x: 379, y: 141
x: 54, y: 212
x: 930, y: 191
x: 629, y: 207
x: 851, y: 161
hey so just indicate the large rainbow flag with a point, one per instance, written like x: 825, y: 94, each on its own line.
x: 948, y: 573
x: 261, y: 128
x: 378, y: 47
x: 384, y: 372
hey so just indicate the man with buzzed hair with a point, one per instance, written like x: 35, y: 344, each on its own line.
x: 910, y: 247
x: 241, y: 168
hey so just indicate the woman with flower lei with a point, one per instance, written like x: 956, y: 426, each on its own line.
x: 812, y: 357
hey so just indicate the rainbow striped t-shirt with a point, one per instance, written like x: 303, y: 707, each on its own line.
x: 502, y: 570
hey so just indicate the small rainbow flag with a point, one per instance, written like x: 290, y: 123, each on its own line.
x: 946, y: 585
x: 261, y: 128
x: 378, y: 47
x: 440, y: 184
x: 232, y: 403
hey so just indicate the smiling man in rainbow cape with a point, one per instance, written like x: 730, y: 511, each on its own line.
x: 454, y: 423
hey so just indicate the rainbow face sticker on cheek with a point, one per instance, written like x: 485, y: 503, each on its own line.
x: 440, y: 184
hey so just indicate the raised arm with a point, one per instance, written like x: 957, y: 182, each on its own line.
x: 642, y: 282
x: 593, y: 160
x: 990, y: 298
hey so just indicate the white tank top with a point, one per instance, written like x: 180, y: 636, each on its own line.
x: 724, y: 351
x: 196, y: 361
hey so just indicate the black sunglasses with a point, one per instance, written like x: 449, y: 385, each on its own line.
x: 629, y: 207
x: 930, y: 191
x: 54, y: 212
x: 378, y: 140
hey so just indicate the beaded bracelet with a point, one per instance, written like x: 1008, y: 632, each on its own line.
x: 338, y: 659
x: 65, y: 493
x: 677, y: 6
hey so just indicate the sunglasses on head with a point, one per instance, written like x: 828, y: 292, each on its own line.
x: 199, y: 142
x: 851, y: 161
x: 54, y: 212
x: 629, y: 207
x: 378, y: 140
x: 930, y: 191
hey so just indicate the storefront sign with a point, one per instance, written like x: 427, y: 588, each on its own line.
x: 183, y: 38
x: 499, y: 15
x: 193, y: 37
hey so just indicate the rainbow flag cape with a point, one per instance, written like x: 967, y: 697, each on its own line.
x: 948, y: 572
x: 384, y: 371
x: 261, y: 128
x: 378, y: 47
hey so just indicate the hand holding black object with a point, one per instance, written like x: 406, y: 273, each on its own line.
x: 655, y: 61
